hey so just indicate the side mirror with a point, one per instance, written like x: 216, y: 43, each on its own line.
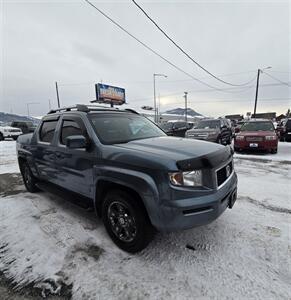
x: 76, y: 142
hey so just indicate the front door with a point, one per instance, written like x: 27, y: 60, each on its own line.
x: 75, y: 166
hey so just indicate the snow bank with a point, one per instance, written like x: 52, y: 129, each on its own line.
x: 8, y: 158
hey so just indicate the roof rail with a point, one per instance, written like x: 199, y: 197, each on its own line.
x: 78, y: 107
x: 87, y: 108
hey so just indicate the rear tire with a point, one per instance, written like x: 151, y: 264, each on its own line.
x: 1, y: 137
x: 219, y: 141
x: 126, y: 221
x: 274, y: 151
x: 28, y: 179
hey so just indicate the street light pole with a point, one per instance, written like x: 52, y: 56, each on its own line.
x: 257, y: 88
x: 186, y: 105
x: 27, y: 105
x: 155, y: 99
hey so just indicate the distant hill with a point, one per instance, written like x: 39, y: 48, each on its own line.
x: 181, y: 112
x: 6, y: 118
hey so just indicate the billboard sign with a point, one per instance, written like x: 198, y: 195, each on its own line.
x: 109, y: 94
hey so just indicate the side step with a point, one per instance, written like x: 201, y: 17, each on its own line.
x: 74, y: 198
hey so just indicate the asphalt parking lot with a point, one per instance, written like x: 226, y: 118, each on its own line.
x: 50, y: 247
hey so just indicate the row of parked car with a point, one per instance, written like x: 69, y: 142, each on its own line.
x: 254, y: 134
x: 213, y: 130
x: 16, y: 129
x: 284, y: 130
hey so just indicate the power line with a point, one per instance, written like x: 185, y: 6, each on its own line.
x: 277, y: 79
x: 207, y: 91
x: 150, y: 81
x: 150, y: 49
x: 185, y: 53
x: 193, y: 102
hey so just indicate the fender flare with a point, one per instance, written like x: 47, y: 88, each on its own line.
x: 139, y: 182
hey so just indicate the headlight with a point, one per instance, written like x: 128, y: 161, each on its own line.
x: 271, y: 138
x: 239, y: 137
x: 191, y: 178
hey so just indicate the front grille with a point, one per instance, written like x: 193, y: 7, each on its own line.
x: 254, y: 139
x: 223, y: 173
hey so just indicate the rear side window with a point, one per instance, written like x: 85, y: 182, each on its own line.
x: 180, y: 125
x: 288, y: 125
x: 47, y: 131
x: 70, y: 128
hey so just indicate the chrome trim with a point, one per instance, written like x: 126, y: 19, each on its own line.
x: 198, y: 212
x: 228, y: 178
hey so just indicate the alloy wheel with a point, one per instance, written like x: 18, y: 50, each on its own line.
x: 122, y: 221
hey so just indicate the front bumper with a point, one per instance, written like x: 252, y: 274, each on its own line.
x: 209, y: 138
x: 13, y: 135
x: 196, y: 211
x: 261, y: 145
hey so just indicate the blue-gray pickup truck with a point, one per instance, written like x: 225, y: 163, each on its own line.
x: 137, y: 179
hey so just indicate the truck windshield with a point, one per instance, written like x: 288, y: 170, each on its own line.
x: 167, y: 126
x: 122, y: 128
x: 257, y: 126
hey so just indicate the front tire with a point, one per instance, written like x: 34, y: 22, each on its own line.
x: 1, y: 137
x: 126, y: 221
x: 28, y: 179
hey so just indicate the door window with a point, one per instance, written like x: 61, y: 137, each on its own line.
x: 69, y: 128
x: 47, y: 131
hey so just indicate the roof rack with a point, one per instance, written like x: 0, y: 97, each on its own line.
x: 88, y: 108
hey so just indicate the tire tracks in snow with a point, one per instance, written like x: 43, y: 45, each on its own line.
x: 266, y: 206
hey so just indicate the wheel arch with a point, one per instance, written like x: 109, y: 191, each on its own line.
x: 146, y: 199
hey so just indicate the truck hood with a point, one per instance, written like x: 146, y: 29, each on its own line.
x: 186, y: 153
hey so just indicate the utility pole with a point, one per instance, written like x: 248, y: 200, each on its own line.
x: 257, y: 88
x: 58, y: 98
x: 186, y: 105
x: 155, y: 100
x: 257, y: 91
x: 27, y: 106
x: 49, y: 103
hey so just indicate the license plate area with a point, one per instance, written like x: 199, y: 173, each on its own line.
x: 254, y: 145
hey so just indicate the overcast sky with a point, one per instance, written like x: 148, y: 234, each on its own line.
x: 70, y: 42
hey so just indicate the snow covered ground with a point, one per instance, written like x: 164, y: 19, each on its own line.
x: 48, y: 243
x: 284, y: 154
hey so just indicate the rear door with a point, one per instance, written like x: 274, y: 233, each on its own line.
x: 44, y: 156
x: 75, y: 166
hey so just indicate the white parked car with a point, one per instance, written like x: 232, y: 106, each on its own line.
x: 9, y: 132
